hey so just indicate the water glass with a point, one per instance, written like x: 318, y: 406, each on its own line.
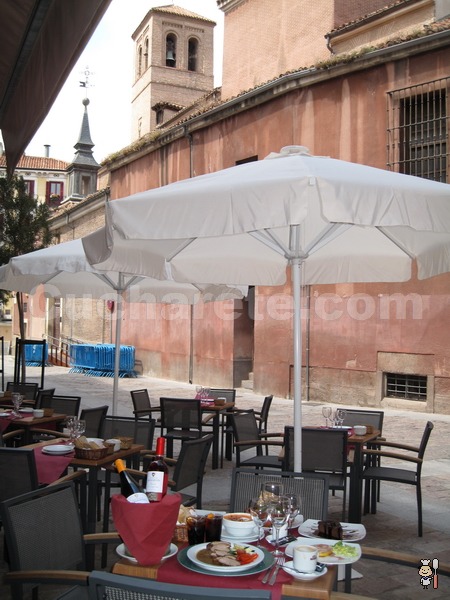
x: 271, y: 490
x: 327, y: 413
x: 17, y: 403
x: 279, y: 512
x: 258, y: 508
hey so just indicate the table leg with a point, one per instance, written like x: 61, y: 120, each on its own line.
x: 355, y: 495
x: 216, y: 440
x: 91, y: 515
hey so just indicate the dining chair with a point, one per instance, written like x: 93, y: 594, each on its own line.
x: 181, y: 419
x: 404, y: 453
x: 95, y: 418
x: 28, y: 390
x: 45, y: 541
x: 247, y: 437
x: 108, y: 585
x: 323, y: 451
x: 43, y: 396
x: 142, y: 405
x: 66, y: 405
x: 311, y: 488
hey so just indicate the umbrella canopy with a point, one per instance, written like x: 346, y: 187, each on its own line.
x: 64, y: 270
x: 332, y: 221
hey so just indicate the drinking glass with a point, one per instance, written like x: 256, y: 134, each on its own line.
x: 327, y: 412
x: 271, y: 490
x: 199, y: 392
x: 279, y: 513
x: 17, y: 403
x: 80, y: 427
x: 293, y: 504
x: 258, y: 508
x: 340, y: 416
x: 70, y: 426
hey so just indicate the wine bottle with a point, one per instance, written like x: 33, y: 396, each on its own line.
x: 128, y: 486
x: 157, y: 475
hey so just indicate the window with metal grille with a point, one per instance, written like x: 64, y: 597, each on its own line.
x: 418, y: 129
x: 409, y: 387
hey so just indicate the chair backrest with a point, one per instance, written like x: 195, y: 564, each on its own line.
x: 264, y: 414
x: 357, y: 416
x: 66, y: 405
x: 141, y: 430
x: 17, y: 472
x: 108, y: 585
x: 43, y: 530
x: 423, y: 442
x: 311, y: 488
x: 29, y: 390
x: 180, y: 413
x: 323, y: 450
x: 141, y: 402
x: 95, y: 418
x: 245, y: 427
x: 190, y: 466
x: 43, y: 397
x: 228, y: 393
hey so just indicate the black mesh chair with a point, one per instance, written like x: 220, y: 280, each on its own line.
x: 28, y: 390
x: 225, y: 426
x: 66, y: 405
x: 247, y: 437
x: 180, y: 420
x: 43, y: 396
x: 95, y: 418
x: 398, y: 474
x: 142, y: 404
x: 45, y: 541
x: 108, y: 585
x: 311, y: 488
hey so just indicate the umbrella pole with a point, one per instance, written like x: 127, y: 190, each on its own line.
x: 117, y: 348
x: 297, y: 339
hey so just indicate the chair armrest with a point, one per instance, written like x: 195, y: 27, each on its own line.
x: 266, y: 435
x: 102, y: 538
x: 381, y: 442
x: 10, y: 435
x: 399, y: 558
x: 74, y: 476
x: 50, y: 432
x: 46, y: 576
x: 395, y: 455
x: 263, y: 443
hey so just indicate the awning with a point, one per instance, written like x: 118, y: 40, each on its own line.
x: 40, y: 42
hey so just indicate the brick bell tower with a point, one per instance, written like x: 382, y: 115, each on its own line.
x: 173, y: 65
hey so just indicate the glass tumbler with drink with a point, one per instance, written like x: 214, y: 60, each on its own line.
x: 196, y: 529
x: 213, y: 527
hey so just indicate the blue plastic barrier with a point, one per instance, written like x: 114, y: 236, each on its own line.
x: 98, y: 360
x: 33, y: 354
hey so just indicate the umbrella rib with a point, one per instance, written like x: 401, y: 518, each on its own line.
x: 386, y: 233
x: 179, y: 249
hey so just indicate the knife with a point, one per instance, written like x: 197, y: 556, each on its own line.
x: 269, y: 571
x: 280, y: 562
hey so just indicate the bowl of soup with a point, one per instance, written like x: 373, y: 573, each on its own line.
x: 238, y: 524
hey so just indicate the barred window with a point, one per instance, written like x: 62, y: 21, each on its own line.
x: 408, y: 387
x: 418, y: 124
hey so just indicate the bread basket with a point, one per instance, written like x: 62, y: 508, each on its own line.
x: 91, y: 453
x: 125, y: 442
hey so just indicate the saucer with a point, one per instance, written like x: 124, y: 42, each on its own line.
x: 245, y: 539
x: 288, y: 568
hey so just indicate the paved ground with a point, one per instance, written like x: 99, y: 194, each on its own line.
x: 394, y: 526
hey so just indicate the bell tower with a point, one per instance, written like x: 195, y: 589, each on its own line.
x: 173, y: 65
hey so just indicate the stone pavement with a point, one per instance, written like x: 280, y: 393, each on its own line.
x: 394, y: 527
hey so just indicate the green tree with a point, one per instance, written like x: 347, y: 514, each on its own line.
x: 23, y: 227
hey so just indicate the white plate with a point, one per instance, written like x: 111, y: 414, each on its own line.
x: 353, y: 532
x: 193, y: 551
x: 297, y: 521
x: 289, y: 569
x: 251, y: 537
x: 98, y: 441
x: 327, y: 560
x: 347, y: 427
x: 58, y: 449
x: 4, y: 414
x: 25, y: 410
x: 122, y: 551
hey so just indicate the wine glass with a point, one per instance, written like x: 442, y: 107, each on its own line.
x: 80, y: 427
x: 70, y: 426
x: 340, y: 416
x: 279, y: 513
x: 271, y: 490
x: 327, y: 412
x: 17, y: 403
x: 293, y: 504
x: 198, y: 392
x: 258, y: 508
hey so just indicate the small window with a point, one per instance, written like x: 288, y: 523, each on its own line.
x: 192, y: 54
x: 171, y: 50
x: 54, y: 193
x: 146, y: 54
x: 29, y: 187
x: 408, y: 387
x: 159, y: 116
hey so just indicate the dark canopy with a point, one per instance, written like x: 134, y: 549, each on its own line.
x: 40, y: 42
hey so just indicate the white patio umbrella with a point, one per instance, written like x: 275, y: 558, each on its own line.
x: 331, y: 221
x: 64, y: 270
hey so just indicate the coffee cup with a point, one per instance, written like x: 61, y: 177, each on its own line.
x: 305, y: 558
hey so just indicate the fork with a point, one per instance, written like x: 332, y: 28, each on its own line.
x: 280, y: 563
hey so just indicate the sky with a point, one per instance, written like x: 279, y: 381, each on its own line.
x: 108, y: 58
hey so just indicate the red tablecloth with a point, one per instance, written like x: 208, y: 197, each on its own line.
x: 4, y: 423
x: 171, y: 571
x: 48, y: 467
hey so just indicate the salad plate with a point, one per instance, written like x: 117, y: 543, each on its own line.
x: 123, y: 552
x: 288, y: 568
x: 352, y: 532
x: 342, y: 553
x: 58, y: 449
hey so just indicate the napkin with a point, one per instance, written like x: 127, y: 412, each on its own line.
x: 146, y: 529
x: 272, y: 536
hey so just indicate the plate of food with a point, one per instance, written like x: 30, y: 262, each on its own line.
x: 331, y: 552
x: 288, y: 568
x: 225, y: 557
x: 185, y: 561
x: 332, y: 530
x: 123, y: 552
x: 58, y: 449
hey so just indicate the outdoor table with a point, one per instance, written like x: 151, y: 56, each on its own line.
x: 355, y: 494
x: 170, y: 571
x: 216, y: 411
x: 28, y: 422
